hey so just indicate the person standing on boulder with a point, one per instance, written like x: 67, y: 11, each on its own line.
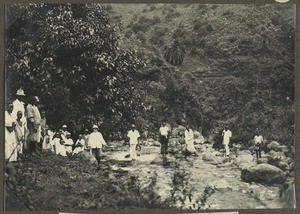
x: 227, y: 134
x: 164, y: 132
x: 96, y: 142
x: 258, y: 140
x: 133, y: 136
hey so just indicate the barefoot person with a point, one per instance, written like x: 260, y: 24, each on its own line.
x: 133, y: 136
x: 227, y: 134
x: 20, y: 130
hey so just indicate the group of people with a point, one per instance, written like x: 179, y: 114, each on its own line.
x: 26, y: 130
x: 24, y: 126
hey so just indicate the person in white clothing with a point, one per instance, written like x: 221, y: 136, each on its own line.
x: 96, y: 142
x: 64, y: 130
x: 20, y: 130
x: 10, y: 135
x: 19, y: 105
x: 69, y: 144
x: 79, y: 145
x: 258, y: 140
x: 164, y: 132
x: 189, y: 141
x: 59, y: 144
x: 133, y: 136
x: 227, y: 134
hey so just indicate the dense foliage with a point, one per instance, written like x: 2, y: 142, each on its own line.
x: 68, y: 55
x: 87, y: 66
x: 238, y: 69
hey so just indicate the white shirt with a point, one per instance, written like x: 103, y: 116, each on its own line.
x: 133, y: 136
x: 9, y: 119
x: 96, y: 140
x: 258, y: 139
x: 226, y: 136
x: 19, y: 106
x: 164, y: 130
x: 188, y: 135
x: 80, y: 141
x: 69, y: 142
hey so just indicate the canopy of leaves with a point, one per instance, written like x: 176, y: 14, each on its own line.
x: 68, y: 55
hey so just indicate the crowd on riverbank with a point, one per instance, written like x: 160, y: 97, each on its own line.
x: 27, y: 131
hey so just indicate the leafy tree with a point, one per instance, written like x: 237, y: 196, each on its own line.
x: 68, y: 55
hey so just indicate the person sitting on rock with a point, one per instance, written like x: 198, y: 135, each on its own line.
x: 79, y: 145
x: 133, y: 136
x: 47, y: 139
x: 59, y: 144
x: 189, y: 142
x: 258, y: 140
x: 69, y: 144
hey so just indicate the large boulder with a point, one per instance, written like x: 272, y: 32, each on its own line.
x: 273, y: 145
x: 161, y: 160
x: 262, y: 160
x: 278, y: 159
x: 213, y: 159
x: 86, y: 156
x: 218, y: 185
x: 282, y: 148
x: 264, y: 173
x: 244, y: 160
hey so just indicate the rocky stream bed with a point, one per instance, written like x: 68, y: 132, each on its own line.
x: 207, y: 181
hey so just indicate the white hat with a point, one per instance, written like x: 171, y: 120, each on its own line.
x: 64, y: 126
x: 20, y: 92
x: 95, y: 127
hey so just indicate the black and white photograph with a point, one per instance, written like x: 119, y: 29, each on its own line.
x: 149, y: 106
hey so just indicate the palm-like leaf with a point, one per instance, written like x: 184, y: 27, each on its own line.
x: 174, y: 53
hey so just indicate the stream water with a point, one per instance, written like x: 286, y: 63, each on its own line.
x: 230, y: 191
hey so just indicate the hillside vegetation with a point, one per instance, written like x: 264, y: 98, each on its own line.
x: 106, y: 63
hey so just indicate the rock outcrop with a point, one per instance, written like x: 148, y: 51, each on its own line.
x: 264, y: 173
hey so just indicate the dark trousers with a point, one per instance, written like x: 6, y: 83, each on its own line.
x: 258, y: 151
x: 164, y: 144
x: 96, y: 152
